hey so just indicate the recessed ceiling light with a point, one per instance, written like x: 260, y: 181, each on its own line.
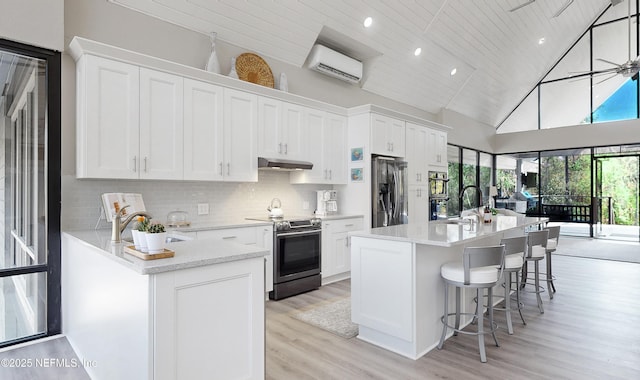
x: 367, y: 22
x: 417, y: 52
x: 454, y: 71
x: 541, y: 41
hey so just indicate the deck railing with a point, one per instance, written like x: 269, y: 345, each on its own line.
x: 574, y: 209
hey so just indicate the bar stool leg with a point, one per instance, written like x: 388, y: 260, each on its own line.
x: 525, y: 273
x: 507, y: 302
x: 550, y: 286
x: 445, y: 317
x: 518, y: 298
x: 537, y: 285
x: 490, y: 307
x: 458, y: 290
x: 479, y: 316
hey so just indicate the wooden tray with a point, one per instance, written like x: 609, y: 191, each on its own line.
x: 130, y: 249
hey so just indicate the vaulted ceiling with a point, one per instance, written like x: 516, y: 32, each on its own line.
x: 496, y: 52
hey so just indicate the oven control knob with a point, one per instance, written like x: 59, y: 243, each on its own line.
x: 316, y: 222
x: 282, y: 226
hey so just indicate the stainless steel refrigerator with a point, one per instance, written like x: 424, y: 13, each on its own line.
x: 389, y: 191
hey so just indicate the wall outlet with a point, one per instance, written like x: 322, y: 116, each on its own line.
x: 203, y: 209
x: 305, y: 205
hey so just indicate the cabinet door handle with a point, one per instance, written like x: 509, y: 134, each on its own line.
x: 135, y: 164
x: 228, y: 237
x: 286, y: 148
x: 221, y: 168
x: 145, y: 164
x: 392, y: 147
x: 228, y: 168
x: 325, y: 174
x: 279, y: 147
x: 349, y: 225
x: 330, y: 174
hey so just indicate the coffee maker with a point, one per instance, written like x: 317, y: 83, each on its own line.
x: 327, y: 202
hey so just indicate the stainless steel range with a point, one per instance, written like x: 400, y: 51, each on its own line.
x: 296, y: 255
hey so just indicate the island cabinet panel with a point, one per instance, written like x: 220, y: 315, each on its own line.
x: 209, y: 322
x: 382, y: 286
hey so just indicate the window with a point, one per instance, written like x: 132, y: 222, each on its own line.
x: 30, y: 201
x: 569, y: 96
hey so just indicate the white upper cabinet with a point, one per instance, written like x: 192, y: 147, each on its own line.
x: 203, y: 138
x: 387, y: 136
x: 335, y: 144
x: 107, y: 130
x: 416, y: 154
x: 324, y: 145
x: 240, y: 162
x: 437, y: 149
x: 161, y: 125
x: 129, y: 121
x: 279, y: 129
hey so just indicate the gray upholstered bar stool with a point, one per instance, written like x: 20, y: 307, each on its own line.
x: 514, y: 250
x: 552, y: 244
x: 481, y: 268
x: 536, y: 251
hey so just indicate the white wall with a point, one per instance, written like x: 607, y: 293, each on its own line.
x: 466, y: 131
x: 579, y: 136
x: 34, y: 22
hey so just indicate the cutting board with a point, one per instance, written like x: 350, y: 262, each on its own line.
x: 130, y: 249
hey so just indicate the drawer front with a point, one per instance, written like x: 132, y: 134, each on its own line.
x: 238, y: 235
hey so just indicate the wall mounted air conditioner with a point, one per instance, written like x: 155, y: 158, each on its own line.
x: 335, y: 64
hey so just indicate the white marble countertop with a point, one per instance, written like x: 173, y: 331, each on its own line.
x: 444, y: 233
x: 188, y: 254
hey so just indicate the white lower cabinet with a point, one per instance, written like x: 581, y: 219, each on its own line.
x: 261, y: 236
x: 198, y: 338
x: 336, y: 256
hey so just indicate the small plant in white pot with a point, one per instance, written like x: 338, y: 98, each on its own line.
x: 138, y: 232
x: 156, y: 238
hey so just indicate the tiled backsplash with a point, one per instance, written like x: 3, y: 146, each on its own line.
x: 228, y: 201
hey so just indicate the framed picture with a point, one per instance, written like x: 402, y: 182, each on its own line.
x: 356, y: 154
x: 356, y: 175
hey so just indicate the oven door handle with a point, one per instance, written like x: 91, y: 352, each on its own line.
x: 314, y: 232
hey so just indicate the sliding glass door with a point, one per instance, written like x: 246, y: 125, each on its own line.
x: 29, y: 255
x: 617, y: 191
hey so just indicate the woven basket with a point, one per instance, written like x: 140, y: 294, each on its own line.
x: 251, y: 68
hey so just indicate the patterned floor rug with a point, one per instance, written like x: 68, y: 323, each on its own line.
x: 333, y: 316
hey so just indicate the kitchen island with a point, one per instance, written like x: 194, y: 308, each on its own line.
x: 396, y: 290
x: 199, y: 314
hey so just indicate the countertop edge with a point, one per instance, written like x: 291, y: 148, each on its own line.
x: 188, y: 254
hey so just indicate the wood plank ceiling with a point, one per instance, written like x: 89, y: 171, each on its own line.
x: 496, y: 52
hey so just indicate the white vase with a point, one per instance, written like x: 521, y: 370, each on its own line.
x: 213, y: 65
x: 137, y: 238
x: 284, y: 84
x: 156, y: 242
x: 233, y: 73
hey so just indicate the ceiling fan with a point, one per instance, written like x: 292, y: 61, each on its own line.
x: 628, y: 69
x: 529, y: 2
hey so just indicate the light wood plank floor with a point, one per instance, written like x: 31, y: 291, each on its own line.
x: 588, y: 331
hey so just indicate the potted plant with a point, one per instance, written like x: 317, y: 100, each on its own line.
x: 156, y: 237
x: 138, y: 232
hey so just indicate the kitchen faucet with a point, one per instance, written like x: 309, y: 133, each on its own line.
x: 479, y: 192
x: 118, y: 225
